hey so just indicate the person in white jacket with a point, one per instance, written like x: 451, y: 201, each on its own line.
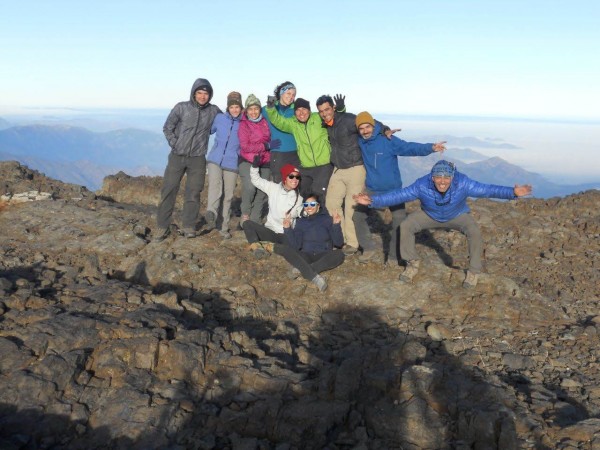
x: 283, y: 199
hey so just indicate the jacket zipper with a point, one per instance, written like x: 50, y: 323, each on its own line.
x: 194, y: 135
x: 226, y: 143
x: 310, y: 143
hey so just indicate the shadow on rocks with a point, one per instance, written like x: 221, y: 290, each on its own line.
x: 109, y: 363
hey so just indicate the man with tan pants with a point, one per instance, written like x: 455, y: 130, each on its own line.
x: 348, y: 176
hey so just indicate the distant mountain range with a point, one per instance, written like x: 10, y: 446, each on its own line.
x: 78, y: 155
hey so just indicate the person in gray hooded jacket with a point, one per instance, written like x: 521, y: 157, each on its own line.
x: 187, y: 130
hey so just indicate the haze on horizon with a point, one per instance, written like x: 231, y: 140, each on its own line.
x: 462, y: 68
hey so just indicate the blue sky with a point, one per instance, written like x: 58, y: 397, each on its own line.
x: 495, y: 58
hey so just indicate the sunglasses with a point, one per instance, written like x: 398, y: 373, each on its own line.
x: 291, y: 177
x: 311, y: 204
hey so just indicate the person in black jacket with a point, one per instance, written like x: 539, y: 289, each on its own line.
x: 187, y: 130
x: 310, y: 244
x: 348, y: 178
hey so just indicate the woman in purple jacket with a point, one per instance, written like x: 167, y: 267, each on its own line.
x: 222, y: 164
x: 255, y: 139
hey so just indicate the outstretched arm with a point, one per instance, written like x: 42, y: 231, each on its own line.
x: 278, y: 121
x: 439, y: 146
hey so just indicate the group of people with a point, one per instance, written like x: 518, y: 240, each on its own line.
x: 317, y: 175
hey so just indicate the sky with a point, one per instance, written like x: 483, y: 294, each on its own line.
x: 509, y: 58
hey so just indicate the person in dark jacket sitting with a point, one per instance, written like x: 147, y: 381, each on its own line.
x: 443, y: 195
x: 310, y: 244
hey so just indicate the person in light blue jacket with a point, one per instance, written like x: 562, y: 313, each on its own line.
x: 443, y: 195
x: 222, y: 161
x: 286, y: 153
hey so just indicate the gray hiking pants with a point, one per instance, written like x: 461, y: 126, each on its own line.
x: 195, y: 169
x: 253, y: 199
x: 221, y: 184
x: 464, y: 223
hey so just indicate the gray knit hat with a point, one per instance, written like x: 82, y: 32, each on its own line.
x: 252, y: 100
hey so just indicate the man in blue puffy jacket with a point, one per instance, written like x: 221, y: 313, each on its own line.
x: 443, y: 195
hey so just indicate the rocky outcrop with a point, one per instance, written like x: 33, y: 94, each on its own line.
x: 110, y: 340
x: 124, y: 188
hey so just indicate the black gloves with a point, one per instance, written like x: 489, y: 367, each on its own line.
x: 271, y: 101
x: 339, y: 102
x: 256, y: 161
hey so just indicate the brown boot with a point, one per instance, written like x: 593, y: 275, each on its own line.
x: 268, y: 246
x: 411, y: 270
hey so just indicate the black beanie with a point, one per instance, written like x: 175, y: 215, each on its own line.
x: 301, y: 103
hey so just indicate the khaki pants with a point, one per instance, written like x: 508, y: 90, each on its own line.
x: 343, y: 184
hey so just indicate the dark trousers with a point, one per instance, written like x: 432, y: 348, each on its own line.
x: 195, y: 168
x: 310, y: 264
x: 256, y: 232
x: 315, y: 180
x: 363, y: 232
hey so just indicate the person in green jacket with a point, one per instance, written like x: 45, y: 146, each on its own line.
x: 313, y: 144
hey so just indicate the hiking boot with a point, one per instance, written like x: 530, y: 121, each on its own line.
x: 349, y: 250
x: 293, y: 273
x: 470, y: 280
x: 320, y: 283
x: 268, y: 246
x: 258, y: 251
x: 161, y: 234
x: 411, y: 270
x: 189, y: 233
x: 367, y: 255
x: 211, y: 220
x: 225, y: 234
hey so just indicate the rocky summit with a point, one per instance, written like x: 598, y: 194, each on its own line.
x: 112, y: 340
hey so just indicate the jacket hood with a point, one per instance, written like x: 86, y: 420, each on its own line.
x: 201, y: 82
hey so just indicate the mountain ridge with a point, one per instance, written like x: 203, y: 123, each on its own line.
x: 78, y: 155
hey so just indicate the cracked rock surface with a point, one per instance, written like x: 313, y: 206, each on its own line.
x: 110, y: 340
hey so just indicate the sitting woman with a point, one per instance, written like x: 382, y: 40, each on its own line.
x: 310, y: 243
x: 283, y: 200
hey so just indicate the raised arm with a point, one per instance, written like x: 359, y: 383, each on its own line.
x: 283, y: 123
